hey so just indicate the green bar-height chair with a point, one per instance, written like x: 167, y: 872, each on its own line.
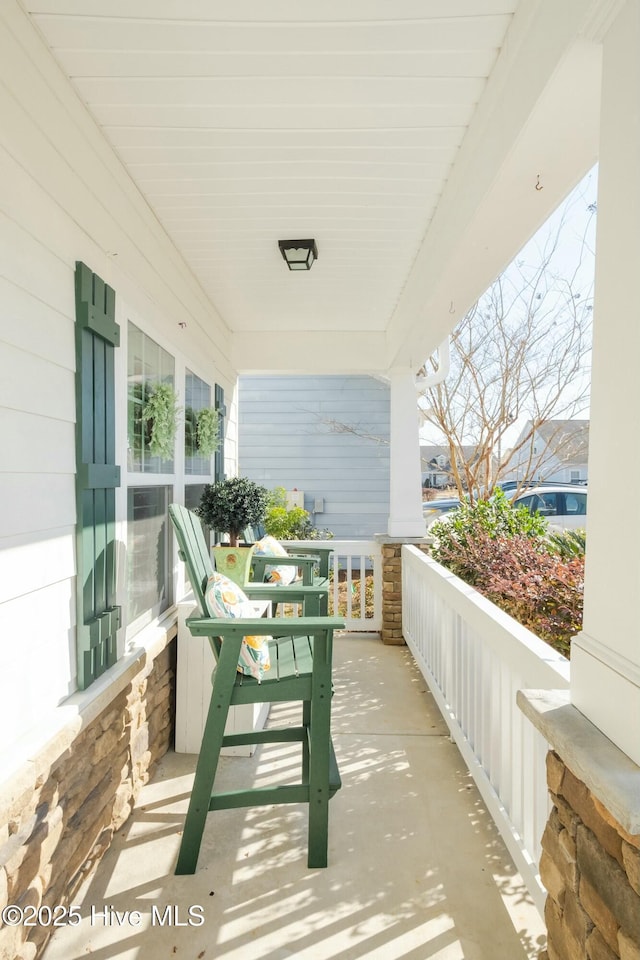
x: 301, y: 664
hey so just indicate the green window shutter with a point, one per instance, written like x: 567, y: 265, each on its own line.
x: 218, y: 461
x: 97, y: 476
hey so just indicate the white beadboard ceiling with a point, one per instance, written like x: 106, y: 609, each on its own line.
x: 243, y: 122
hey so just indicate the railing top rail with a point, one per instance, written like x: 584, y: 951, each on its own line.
x: 356, y: 547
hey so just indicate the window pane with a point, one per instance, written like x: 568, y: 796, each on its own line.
x: 148, y: 552
x: 197, y: 396
x: 192, y: 494
x: 148, y: 366
x: 549, y: 505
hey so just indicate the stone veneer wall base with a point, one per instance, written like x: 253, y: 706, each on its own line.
x: 590, y: 863
x: 60, y: 811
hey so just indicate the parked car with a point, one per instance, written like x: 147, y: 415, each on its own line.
x: 564, y: 505
x: 510, y: 485
x: 433, y: 510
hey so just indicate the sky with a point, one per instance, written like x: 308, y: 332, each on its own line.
x: 577, y: 247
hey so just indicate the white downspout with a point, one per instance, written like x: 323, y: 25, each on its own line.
x: 442, y: 371
x: 405, y: 507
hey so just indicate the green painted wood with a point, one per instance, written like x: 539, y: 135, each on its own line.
x: 97, y: 476
x: 218, y: 458
x: 193, y: 549
x: 301, y: 657
x: 94, y: 475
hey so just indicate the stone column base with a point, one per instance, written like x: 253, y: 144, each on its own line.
x: 391, y: 632
x: 590, y: 863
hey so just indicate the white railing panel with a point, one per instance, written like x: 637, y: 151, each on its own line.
x: 352, y: 562
x: 475, y: 658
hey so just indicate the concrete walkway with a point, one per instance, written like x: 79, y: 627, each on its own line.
x: 416, y: 868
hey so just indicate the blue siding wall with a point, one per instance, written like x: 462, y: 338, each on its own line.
x: 290, y: 436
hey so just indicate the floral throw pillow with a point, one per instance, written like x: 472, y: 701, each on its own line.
x: 280, y: 573
x: 224, y: 598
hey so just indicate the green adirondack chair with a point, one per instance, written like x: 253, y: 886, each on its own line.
x: 320, y: 555
x: 301, y: 657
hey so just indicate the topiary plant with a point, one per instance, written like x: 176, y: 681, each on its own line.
x: 229, y: 506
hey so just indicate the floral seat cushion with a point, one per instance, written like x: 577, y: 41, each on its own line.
x: 224, y: 598
x: 283, y: 574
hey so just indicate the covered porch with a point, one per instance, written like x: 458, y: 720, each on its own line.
x: 417, y: 868
x: 161, y: 151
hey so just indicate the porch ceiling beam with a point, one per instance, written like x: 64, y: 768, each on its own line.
x: 538, y: 118
x: 316, y: 351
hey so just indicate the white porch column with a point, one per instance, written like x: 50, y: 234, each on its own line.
x: 605, y: 659
x: 405, y: 507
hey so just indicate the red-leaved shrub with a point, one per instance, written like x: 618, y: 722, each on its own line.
x: 541, y: 590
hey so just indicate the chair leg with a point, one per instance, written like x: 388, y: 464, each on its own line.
x: 319, y: 770
x: 306, y: 723
x: 207, y: 765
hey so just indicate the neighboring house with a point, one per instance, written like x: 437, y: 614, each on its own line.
x: 558, y: 451
x: 327, y: 437
x: 437, y: 469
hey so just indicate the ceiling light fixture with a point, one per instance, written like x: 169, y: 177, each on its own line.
x: 298, y: 254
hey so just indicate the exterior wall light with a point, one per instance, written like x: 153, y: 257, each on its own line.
x: 299, y: 254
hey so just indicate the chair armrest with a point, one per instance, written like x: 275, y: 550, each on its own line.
x: 322, y: 555
x: 258, y: 626
x: 294, y: 593
x: 260, y: 562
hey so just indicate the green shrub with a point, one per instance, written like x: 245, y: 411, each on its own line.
x: 495, y: 517
x: 568, y: 543
x: 293, y: 524
x: 286, y: 524
x: 508, y: 557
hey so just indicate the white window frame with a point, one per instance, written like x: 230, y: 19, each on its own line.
x: 132, y: 633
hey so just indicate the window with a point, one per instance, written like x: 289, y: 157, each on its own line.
x: 575, y: 476
x: 148, y: 366
x: 576, y: 503
x: 546, y: 505
x: 192, y: 495
x: 148, y: 553
x: 549, y: 505
x: 149, y: 560
x: 197, y: 396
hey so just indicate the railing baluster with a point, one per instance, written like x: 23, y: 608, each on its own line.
x: 474, y: 658
x: 351, y: 557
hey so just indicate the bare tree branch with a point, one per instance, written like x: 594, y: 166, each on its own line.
x: 521, y: 353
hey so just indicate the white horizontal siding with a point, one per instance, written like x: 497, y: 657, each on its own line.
x: 29, y: 323
x: 65, y: 197
x: 34, y: 443
x: 29, y: 563
x: 34, y: 385
x: 32, y: 502
x: 38, y: 659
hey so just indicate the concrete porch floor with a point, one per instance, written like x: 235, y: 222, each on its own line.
x: 416, y: 869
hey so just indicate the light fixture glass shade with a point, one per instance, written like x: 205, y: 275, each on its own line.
x: 299, y: 254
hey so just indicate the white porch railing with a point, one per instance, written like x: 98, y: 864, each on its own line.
x: 352, y: 561
x: 474, y: 658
